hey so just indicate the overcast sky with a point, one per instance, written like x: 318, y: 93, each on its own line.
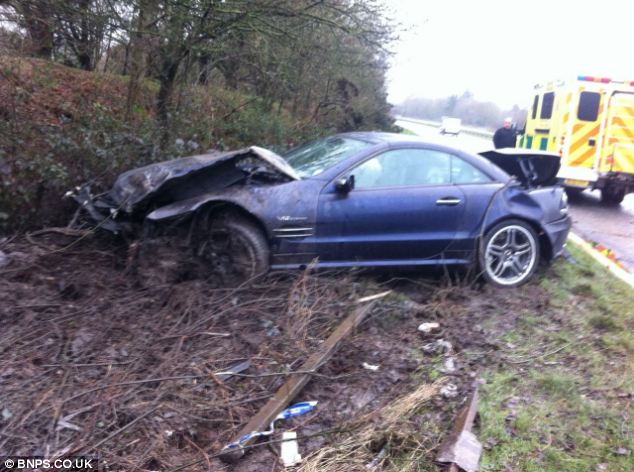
x: 500, y: 49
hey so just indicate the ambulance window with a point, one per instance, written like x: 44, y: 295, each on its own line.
x: 547, y: 105
x: 588, y: 106
x: 535, y: 103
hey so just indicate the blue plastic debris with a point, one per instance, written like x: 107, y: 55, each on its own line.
x: 298, y: 409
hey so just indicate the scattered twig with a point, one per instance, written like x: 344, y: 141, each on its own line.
x: 95, y: 364
x: 541, y: 356
x: 121, y: 430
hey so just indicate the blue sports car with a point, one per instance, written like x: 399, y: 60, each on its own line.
x: 349, y: 200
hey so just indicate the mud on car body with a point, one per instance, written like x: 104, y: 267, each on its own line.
x: 349, y: 200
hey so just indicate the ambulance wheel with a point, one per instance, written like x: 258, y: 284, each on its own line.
x: 612, y: 196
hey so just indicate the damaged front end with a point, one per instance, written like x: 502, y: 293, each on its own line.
x: 138, y: 192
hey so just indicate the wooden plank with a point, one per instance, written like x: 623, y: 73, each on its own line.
x: 295, y: 383
x: 461, y: 448
x: 465, y: 419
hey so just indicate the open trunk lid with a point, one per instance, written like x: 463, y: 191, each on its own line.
x: 532, y: 168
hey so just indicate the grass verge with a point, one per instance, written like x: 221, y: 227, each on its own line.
x: 561, y: 399
x: 554, y: 358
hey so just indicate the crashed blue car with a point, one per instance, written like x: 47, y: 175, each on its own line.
x: 361, y: 199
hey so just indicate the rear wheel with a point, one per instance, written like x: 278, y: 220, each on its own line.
x: 612, y: 195
x: 510, y: 253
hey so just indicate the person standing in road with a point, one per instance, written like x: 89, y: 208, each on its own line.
x: 505, y: 136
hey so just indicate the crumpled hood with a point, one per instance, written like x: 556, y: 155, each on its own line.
x: 532, y: 168
x: 136, y: 186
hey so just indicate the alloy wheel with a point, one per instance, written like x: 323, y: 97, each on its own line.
x: 510, y: 255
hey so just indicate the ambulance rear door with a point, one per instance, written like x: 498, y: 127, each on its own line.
x: 582, y: 143
x: 618, y: 145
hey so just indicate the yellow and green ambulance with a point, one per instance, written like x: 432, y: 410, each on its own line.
x: 589, y: 122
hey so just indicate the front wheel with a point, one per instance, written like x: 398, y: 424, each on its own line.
x: 235, y: 249
x: 509, y: 253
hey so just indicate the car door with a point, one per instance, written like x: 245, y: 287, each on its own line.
x: 403, y: 207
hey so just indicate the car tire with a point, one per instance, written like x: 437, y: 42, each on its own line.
x: 612, y: 196
x: 509, y: 254
x: 235, y: 248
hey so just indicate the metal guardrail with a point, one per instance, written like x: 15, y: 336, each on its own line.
x: 481, y: 133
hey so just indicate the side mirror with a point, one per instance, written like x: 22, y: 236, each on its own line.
x: 345, y: 184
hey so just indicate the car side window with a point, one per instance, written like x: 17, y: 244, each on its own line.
x: 463, y: 172
x: 404, y: 168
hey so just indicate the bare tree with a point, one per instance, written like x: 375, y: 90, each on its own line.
x: 35, y: 17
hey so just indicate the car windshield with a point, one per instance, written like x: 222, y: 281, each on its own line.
x: 313, y: 158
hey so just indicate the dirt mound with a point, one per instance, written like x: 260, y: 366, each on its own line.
x: 43, y: 93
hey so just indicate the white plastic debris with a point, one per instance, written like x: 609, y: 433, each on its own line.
x: 446, y: 345
x: 6, y: 414
x: 290, y: 452
x: 428, y: 327
x: 449, y: 391
x: 371, y: 367
x: 439, y: 345
x: 376, y: 461
x: 449, y: 366
x: 62, y: 423
x: 4, y: 259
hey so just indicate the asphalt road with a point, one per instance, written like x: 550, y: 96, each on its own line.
x: 611, y: 226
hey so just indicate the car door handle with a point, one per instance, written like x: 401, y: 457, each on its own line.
x: 448, y: 201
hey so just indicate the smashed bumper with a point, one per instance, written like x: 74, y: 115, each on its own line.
x: 138, y: 192
x: 557, y: 232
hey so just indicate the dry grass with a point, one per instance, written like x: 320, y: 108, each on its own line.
x: 304, y: 314
x: 379, y: 440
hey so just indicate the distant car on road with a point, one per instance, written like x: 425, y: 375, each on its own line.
x: 349, y: 200
x: 450, y: 126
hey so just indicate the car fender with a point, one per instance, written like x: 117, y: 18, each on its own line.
x: 513, y: 202
x: 280, y: 205
x: 192, y: 205
x: 529, y: 206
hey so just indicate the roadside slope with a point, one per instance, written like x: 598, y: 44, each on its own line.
x: 61, y: 127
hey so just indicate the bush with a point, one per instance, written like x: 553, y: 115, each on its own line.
x: 64, y: 127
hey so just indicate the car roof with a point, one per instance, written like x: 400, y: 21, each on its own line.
x: 377, y: 137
